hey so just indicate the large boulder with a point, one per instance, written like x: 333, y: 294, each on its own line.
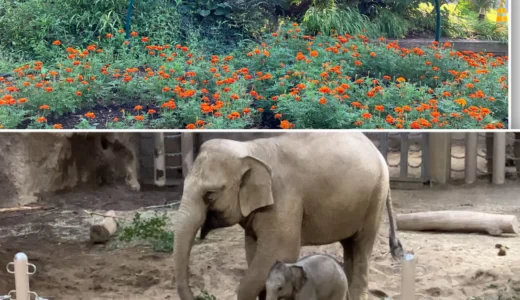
x: 35, y: 163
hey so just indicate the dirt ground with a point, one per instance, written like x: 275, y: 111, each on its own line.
x: 450, y: 266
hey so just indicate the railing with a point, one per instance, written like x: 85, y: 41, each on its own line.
x: 20, y: 268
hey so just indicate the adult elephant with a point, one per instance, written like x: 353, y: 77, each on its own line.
x: 288, y: 191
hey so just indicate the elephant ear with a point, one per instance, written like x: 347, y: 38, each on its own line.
x: 299, y: 276
x: 256, y: 186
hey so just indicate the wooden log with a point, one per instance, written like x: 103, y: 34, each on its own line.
x: 101, y: 233
x: 22, y: 208
x: 458, y: 221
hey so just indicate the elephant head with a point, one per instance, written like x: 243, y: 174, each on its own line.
x: 284, y: 281
x: 224, y: 186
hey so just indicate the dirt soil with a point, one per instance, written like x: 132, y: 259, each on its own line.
x: 450, y: 266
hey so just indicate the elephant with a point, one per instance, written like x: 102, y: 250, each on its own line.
x: 292, y: 190
x: 314, y: 277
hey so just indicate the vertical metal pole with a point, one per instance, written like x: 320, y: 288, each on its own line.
x: 403, y: 165
x: 438, y: 25
x: 408, y: 277
x: 187, y: 151
x: 383, y: 144
x: 159, y: 162
x: 470, y: 159
x: 499, y: 158
x: 21, y: 276
x: 425, y: 157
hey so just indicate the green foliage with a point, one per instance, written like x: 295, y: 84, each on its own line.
x: 77, y: 23
x: 213, y: 10
x: 151, y: 230
x: 205, y: 296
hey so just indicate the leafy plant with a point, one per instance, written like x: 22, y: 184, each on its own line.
x: 205, y: 296
x: 151, y: 230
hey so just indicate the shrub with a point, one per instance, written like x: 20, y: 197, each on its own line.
x: 338, y: 81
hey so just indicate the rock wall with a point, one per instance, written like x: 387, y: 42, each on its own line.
x: 35, y: 163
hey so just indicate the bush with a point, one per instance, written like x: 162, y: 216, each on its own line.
x: 290, y: 80
x: 78, y: 23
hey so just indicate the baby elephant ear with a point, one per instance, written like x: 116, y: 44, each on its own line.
x: 299, y: 276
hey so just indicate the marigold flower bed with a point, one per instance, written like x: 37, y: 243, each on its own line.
x: 288, y: 81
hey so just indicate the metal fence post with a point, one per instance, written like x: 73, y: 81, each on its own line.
x: 499, y: 158
x: 470, y: 158
x: 159, y: 161
x: 403, y: 165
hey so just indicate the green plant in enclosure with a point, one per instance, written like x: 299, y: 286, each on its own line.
x: 205, y: 296
x: 151, y: 230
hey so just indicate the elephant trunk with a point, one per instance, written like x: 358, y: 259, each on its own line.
x: 189, y: 219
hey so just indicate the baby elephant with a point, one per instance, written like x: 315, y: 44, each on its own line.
x: 314, y: 277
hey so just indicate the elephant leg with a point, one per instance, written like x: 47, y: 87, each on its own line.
x: 348, y: 255
x: 361, y: 251
x: 362, y: 246
x: 250, y: 245
x: 267, y: 252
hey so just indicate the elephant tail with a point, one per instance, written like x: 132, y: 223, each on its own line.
x: 396, y: 248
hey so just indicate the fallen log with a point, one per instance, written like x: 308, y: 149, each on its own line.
x: 21, y: 208
x: 101, y: 233
x: 459, y: 221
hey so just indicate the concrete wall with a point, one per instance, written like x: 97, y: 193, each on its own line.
x: 35, y: 163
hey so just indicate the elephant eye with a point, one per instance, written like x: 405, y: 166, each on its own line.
x: 209, y: 197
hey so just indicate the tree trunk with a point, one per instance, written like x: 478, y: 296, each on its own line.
x: 459, y: 221
x: 101, y: 233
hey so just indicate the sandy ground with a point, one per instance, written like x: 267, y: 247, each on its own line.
x: 450, y: 266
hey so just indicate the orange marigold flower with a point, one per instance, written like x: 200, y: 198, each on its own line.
x: 323, y: 101
x: 78, y: 93
x: 314, y: 53
x: 145, y: 40
x: 380, y: 108
x: 108, y: 35
x: 277, y: 116
x: 366, y: 115
x: 138, y: 107
x: 139, y: 118
x: 358, y: 63
x: 401, y: 79
x: 56, y: 42
x: 373, y: 54
x: 461, y: 101
x: 286, y: 125
x: 44, y: 107
x: 386, y: 77
x: 41, y: 120
x: 415, y: 125
x: 152, y: 111
x: 90, y: 115
x: 57, y: 126
x: 116, y: 120
x: 48, y: 89
x: 22, y: 100
x: 246, y: 110
x: 191, y: 126
x: 324, y: 90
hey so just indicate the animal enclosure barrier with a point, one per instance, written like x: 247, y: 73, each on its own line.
x: 407, y: 155
x: 495, y: 156
x: 20, y: 268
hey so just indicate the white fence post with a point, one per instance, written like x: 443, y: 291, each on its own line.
x: 21, y: 276
x: 470, y: 158
x: 499, y: 158
x: 408, y: 277
x: 159, y: 161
